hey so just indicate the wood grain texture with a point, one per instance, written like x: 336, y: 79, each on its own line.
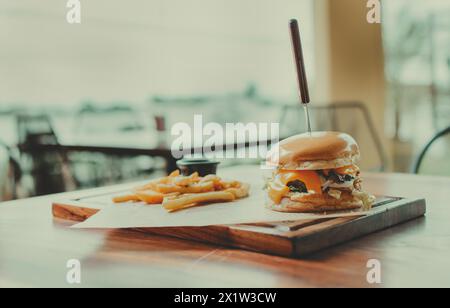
x: 289, y: 239
x: 34, y: 249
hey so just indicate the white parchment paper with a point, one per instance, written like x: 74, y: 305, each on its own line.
x: 248, y: 210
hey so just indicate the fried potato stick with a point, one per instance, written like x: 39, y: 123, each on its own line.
x: 216, y: 196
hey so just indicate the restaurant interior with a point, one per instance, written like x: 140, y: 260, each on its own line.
x: 92, y: 104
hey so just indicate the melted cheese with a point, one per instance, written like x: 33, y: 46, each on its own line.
x: 277, y: 188
x: 277, y: 191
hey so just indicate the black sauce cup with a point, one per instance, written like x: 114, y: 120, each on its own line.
x: 203, y: 166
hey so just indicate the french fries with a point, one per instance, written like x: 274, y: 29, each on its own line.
x: 126, y: 198
x: 176, y: 192
x: 239, y: 192
x: 183, y: 200
x: 150, y: 196
x: 182, y: 207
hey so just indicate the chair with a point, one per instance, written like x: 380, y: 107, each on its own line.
x: 349, y: 117
x: 49, y: 170
x: 13, y: 172
x: 445, y: 150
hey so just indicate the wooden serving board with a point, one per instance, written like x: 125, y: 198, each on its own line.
x: 289, y: 238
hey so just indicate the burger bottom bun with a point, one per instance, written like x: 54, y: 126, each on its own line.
x: 315, y: 203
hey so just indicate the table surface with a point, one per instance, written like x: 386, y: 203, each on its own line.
x: 35, y: 248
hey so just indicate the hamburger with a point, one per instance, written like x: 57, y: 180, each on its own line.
x: 316, y: 172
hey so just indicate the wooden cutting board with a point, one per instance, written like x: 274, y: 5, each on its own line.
x: 290, y: 238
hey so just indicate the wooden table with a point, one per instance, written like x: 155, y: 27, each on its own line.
x: 34, y: 249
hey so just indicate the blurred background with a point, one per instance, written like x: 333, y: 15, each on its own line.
x: 92, y: 104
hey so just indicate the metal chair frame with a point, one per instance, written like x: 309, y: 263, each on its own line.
x: 420, y: 158
x: 15, y: 167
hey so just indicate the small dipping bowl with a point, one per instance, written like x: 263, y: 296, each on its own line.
x: 203, y: 166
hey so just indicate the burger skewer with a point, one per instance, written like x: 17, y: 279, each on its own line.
x: 301, y: 72
x: 315, y: 172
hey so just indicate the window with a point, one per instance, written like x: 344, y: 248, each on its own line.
x: 130, y: 50
x: 417, y: 44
